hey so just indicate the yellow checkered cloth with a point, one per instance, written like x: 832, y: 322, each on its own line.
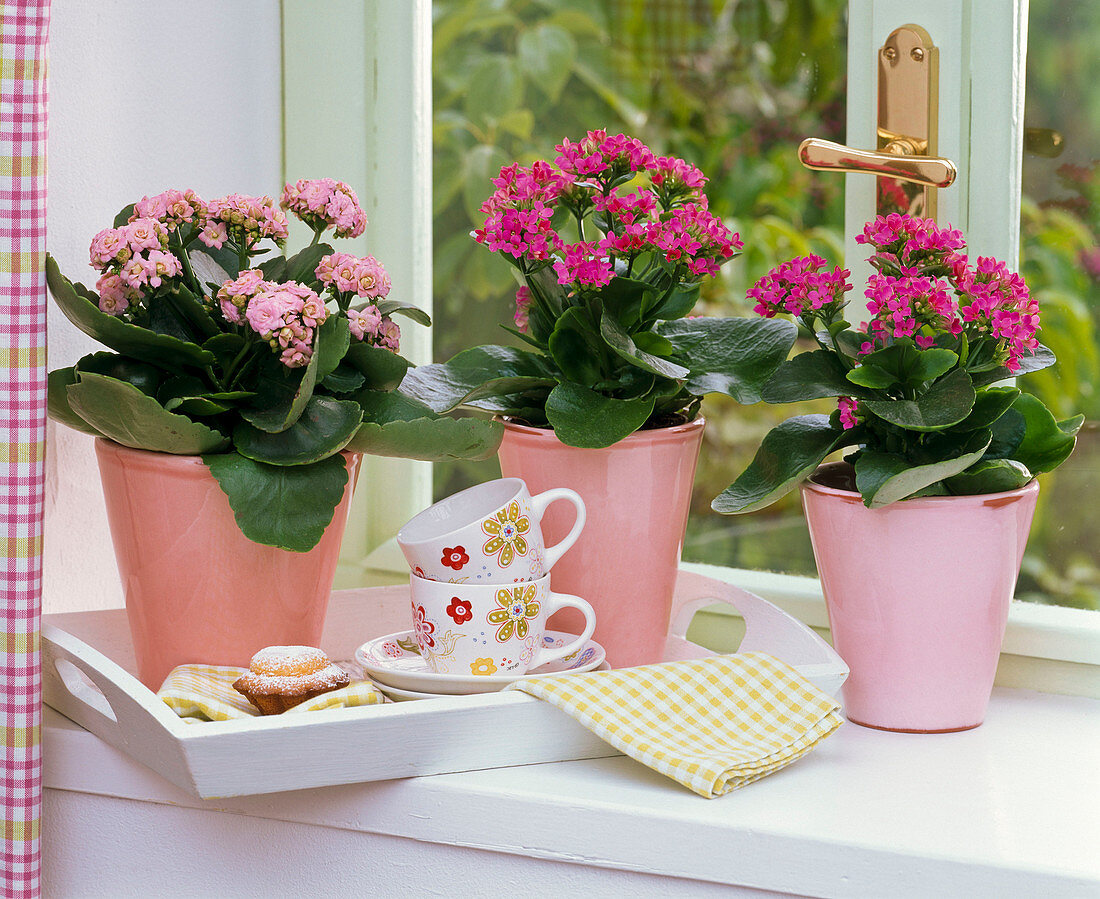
x: 712, y: 724
x: 205, y: 693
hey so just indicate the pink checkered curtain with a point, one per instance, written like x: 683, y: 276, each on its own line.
x: 24, y: 27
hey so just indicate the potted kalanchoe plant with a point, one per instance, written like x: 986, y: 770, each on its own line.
x: 919, y: 533
x: 611, y: 244
x: 255, y: 377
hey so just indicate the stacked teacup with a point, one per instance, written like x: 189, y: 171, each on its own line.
x: 480, y: 581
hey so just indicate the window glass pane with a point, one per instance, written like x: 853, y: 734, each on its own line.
x: 1061, y: 262
x: 730, y: 85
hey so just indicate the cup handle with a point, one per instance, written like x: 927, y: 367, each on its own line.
x: 558, y: 601
x: 539, y: 504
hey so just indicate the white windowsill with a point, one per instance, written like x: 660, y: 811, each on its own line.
x: 1007, y: 809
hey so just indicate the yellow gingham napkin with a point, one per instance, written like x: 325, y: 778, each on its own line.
x: 205, y: 693
x: 712, y: 724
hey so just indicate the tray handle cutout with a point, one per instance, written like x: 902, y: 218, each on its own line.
x: 84, y: 689
x: 99, y: 695
x: 767, y: 629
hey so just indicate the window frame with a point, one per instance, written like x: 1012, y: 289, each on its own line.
x: 379, y: 54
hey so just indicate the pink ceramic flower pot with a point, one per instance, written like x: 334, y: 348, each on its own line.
x: 918, y: 595
x: 197, y: 589
x: 637, y: 494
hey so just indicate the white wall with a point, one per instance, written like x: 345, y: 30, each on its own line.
x: 143, y: 96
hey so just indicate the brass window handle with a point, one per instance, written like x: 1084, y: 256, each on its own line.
x: 896, y: 160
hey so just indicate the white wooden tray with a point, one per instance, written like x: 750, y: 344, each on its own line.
x: 339, y: 746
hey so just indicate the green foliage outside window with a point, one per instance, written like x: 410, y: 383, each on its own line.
x: 732, y: 87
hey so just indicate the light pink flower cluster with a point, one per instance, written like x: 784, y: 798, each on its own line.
x: 801, y: 286
x: 130, y: 259
x: 285, y: 315
x: 346, y: 275
x: 363, y: 276
x: 371, y: 326
x: 243, y: 219
x: 323, y: 203
x: 172, y: 208
x: 995, y: 301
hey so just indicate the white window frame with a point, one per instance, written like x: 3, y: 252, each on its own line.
x: 378, y: 131
x: 357, y: 106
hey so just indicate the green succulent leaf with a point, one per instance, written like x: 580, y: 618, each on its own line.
x: 287, y: 506
x: 301, y: 266
x: 389, y: 430
x: 789, y: 453
x: 142, y: 375
x: 123, y: 216
x: 284, y: 392
x: 811, y: 376
x: 1046, y: 443
x: 81, y: 307
x: 120, y: 411
x: 323, y: 429
x: 577, y: 348
x: 947, y: 402
x: 585, y: 418
x: 884, y: 478
x: 989, y: 476
x: 381, y: 369
x: 396, y: 307
x: 1042, y: 358
x: 333, y: 340
x: 57, y: 401
x: 734, y: 356
x: 989, y: 405
x: 622, y: 343
x: 344, y: 379
x: 475, y: 374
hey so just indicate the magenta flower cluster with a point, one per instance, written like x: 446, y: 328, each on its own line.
x: 323, y: 203
x: 801, y: 286
x: 924, y: 287
x: 348, y: 277
x: 635, y: 201
x: 285, y: 315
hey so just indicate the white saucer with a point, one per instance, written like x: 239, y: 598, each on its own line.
x: 394, y: 660
x: 399, y: 695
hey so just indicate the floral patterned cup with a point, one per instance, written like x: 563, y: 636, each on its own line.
x: 488, y: 534
x: 484, y: 629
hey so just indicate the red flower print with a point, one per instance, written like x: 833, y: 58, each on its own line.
x: 460, y: 610
x: 423, y: 628
x: 455, y: 557
x: 419, y: 572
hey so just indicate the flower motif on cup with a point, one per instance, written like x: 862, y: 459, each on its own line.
x: 460, y: 610
x: 517, y: 605
x: 419, y: 572
x: 392, y: 650
x: 483, y: 667
x: 455, y: 557
x: 506, y: 530
x: 423, y: 628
